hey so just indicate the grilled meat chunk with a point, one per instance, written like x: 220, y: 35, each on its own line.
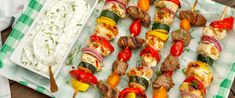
x: 137, y: 13
x: 119, y: 67
x: 163, y: 81
x: 181, y: 35
x: 171, y: 63
x: 107, y: 91
x: 131, y: 42
x: 195, y: 18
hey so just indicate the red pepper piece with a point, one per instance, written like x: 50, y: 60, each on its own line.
x: 153, y: 52
x: 226, y: 23
x: 83, y: 76
x: 102, y: 41
x: 137, y: 91
x: 195, y: 83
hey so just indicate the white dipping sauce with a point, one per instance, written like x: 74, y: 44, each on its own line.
x: 53, y: 34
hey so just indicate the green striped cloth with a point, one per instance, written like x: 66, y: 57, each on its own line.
x: 219, y: 89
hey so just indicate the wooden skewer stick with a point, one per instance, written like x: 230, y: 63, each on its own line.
x: 224, y: 13
x: 53, y: 85
x: 194, y: 5
x: 75, y: 94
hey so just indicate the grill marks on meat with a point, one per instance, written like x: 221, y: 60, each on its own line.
x: 163, y: 81
x: 195, y: 18
x: 171, y: 63
x: 119, y: 67
x: 131, y: 42
x: 137, y: 13
x: 181, y: 35
x: 107, y: 90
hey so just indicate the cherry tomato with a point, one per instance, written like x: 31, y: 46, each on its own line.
x: 135, y: 27
x: 83, y: 76
x: 113, y: 79
x: 196, y: 83
x: 185, y: 24
x: 177, y: 48
x: 143, y: 5
x: 124, y: 55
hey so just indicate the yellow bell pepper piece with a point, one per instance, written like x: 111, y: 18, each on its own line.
x: 79, y: 86
x: 162, y: 30
x: 105, y: 20
x: 160, y: 93
x: 160, y: 35
x: 204, y: 65
x: 130, y: 95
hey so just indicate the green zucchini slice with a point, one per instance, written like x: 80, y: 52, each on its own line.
x: 139, y: 80
x: 88, y: 66
x: 110, y: 14
x: 205, y: 59
x: 160, y: 26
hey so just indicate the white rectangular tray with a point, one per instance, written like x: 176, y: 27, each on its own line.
x: 16, y: 56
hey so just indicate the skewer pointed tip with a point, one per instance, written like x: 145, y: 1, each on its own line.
x: 194, y: 5
x: 224, y: 13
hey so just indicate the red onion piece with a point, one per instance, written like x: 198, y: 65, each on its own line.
x: 93, y: 53
x: 188, y: 94
x: 209, y: 39
x: 113, y: 2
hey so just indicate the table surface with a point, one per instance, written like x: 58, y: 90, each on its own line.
x: 19, y: 91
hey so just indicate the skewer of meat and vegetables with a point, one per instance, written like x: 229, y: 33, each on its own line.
x: 199, y: 74
x: 99, y: 47
x: 181, y: 38
x: 127, y: 43
x: 140, y: 76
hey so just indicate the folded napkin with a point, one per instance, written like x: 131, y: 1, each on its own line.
x: 4, y: 88
x: 10, y: 10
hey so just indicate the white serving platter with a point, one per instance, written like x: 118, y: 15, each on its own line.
x: 16, y: 56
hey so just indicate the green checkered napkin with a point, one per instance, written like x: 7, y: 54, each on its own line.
x: 224, y: 68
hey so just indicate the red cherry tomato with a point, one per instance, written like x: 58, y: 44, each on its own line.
x: 135, y: 27
x: 177, y: 48
x: 124, y: 55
